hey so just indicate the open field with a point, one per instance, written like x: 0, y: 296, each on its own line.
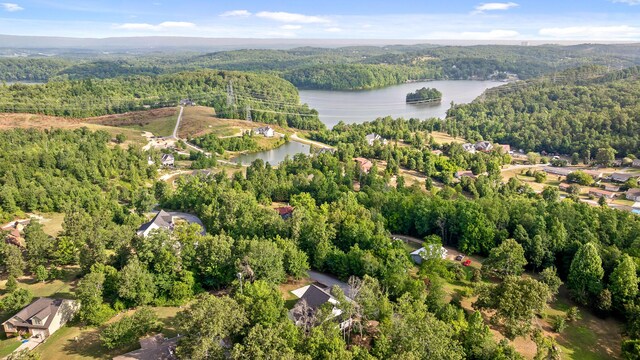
x: 441, y: 138
x: 160, y: 122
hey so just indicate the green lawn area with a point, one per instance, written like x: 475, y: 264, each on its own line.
x: 159, y: 127
x: 7, y: 345
x: 52, y: 223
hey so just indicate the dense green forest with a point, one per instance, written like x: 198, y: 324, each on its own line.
x: 354, y: 67
x: 271, y: 99
x: 333, y: 229
x: 424, y: 94
x: 573, y: 112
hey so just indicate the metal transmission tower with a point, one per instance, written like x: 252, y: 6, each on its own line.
x: 247, y: 111
x: 231, y: 98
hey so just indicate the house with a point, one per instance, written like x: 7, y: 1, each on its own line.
x: 373, y: 137
x: 436, y: 152
x: 564, y: 186
x: 622, y: 177
x: 434, y: 250
x: 616, y: 162
x: 506, y: 149
x: 41, y: 318
x: 162, y: 220
x: 633, y: 194
x: 600, y: 193
x: 560, y: 171
x: 636, y: 163
x: 466, y: 173
x: 470, y: 148
x: 595, y: 174
x: 326, y: 151
x: 167, y: 160
x: 364, y: 164
x: 313, y: 298
x: 285, y: 212
x: 267, y: 131
x: 153, y: 347
x: 612, y: 187
x: 187, y: 102
x: 484, y: 146
x: 14, y: 235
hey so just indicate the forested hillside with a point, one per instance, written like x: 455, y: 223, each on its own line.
x: 574, y: 112
x: 271, y: 99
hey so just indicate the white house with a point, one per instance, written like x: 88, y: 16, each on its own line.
x: 162, y: 220
x: 167, y: 160
x: 434, y: 250
x: 267, y: 131
x: 371, y: 138
x: 470, y: 148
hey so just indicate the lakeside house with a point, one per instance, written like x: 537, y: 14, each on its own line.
x: 364, y: 164
x: 633, y: 194
x: 162, y: 220
x: 41, y: 318
x: 434, y: 250
x: 267, y: 131
x: 622, y: 177
x: 602, y: 193
x: 373, y: 137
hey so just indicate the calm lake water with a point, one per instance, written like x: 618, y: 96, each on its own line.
x: 275, y: 156
x: 367, y: 105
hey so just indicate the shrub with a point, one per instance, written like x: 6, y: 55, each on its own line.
x: 559, y: 324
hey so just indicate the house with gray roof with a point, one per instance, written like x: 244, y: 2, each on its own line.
x: 41, y: 318
x: 373, y: 137
x: 162, y: 220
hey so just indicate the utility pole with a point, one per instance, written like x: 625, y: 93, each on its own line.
x: 231, y: 98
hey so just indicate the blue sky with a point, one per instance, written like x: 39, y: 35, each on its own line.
x: 353, y: 19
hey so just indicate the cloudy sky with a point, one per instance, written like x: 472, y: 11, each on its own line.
x: 603, y: 20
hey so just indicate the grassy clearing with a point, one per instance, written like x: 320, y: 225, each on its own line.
x: 7, y: 345
x: 442, y: 138
x: 160, y: 122
x: 52, y: 223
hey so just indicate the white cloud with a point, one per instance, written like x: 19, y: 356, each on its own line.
x: 162, y: 26
x: 475, y: 35
x: 630, y: 2
x: 291, y: 27
x: 616, y: 32
x: 292, y: 18
x: 494, y: 6
x: 11, y: 7
x: 236, y: 13
x: 333, y: 29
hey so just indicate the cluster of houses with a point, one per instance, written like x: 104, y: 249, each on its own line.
x: 485, y: 146
x: 609, y: 189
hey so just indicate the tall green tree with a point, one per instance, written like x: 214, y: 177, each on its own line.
x: 505, y: 260
x: 623, y: 282
x: 585, y: 274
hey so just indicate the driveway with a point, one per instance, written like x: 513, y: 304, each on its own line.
x: 29, y: 345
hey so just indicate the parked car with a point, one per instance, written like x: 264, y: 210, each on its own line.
x: 466, y: 262
x: 460, y: 257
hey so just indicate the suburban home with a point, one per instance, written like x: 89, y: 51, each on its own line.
x: 187, y: 102
x: 364, y: 164
x: 470, y: 148
x: 564, y: 186
x: 560, y: 171
x: 506, y: 149
x: 41, y: 318
x: 373, y: 137
x: 622, y: 177
x: 612, y: 187
x: 285, y: 212
x: 162, y: 220
x: 436, y: 152
x: 595, y: 174
x: 167, y: 160
x: 267, y: 131
x: 434, y: 250
x: 633, y: 194
x: 155, y: 347
x: 600, y: 193
x: 466, y: 173
x: 313, y: 297
x: 636, y: 163
x: 484, y: 146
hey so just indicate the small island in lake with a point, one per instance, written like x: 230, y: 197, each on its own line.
x: 424, y: 95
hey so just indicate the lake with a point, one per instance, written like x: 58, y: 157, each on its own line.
x: 275, y: 156
x: 367, y: 105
